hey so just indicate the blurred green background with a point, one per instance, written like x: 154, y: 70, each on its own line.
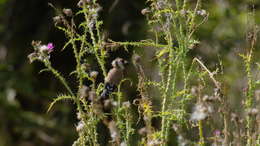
x: 25, y: 94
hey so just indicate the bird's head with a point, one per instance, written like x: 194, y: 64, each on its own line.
x: 119, y: 63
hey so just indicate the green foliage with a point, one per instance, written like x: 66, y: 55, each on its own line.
x: 182, y: 81
x: 3, y: 1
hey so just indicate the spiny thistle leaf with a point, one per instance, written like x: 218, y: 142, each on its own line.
x: 44, y: 70
x: 162, y: 52
x: 70, y: 42
x: 73, y: 72
x: 59, y: 98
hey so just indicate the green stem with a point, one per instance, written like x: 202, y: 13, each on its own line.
x: 169, y: 78
x: 96, y: 45
x: 249, y: 135
x: 202, y: 141
x: 152, y: 44
x: 250, y: 97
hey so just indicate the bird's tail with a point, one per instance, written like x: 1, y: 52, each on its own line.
x: 109, y: 88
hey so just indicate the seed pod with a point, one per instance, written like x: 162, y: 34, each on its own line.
x: 36, y: 43
x: 142, y: 131
x: 68, y: 12
x: 183, y: 12
x: 57, y: 20
x: 234, y: 117
x: 207, y: 98
x: 33, y: 56
x: 202, y: 12
x: 94, y: 74
x: 80, y: 4
x: 145, y: 11
x: 252, y: 112
x: 79, y: 116
x: 85, y: 67
x: 126, y: 104
x: 161, y: 4
x: 80, y: 126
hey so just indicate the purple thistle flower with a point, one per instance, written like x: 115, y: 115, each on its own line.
x: 217, y: 132
x: 50, y: 47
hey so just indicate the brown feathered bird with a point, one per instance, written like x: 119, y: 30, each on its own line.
x: 114, y: 77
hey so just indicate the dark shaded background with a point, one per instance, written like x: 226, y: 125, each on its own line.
x: 25, y: 94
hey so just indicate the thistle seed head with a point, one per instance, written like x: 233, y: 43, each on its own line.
x: 68, y: 12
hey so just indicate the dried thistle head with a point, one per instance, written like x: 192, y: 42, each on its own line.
x: 234, y: 117
x: 57, y: 20
x: 252, y: 111
x: 36, y: 43
x: 85, y: 67
x: 257, y: 95
x: 80, y: 126
x: 126, y: 104
x: 33, y: 56
x: 142, y: 131
x: 67, y: 12
x: 201, y: 112
x: 202, y: 12
x: 207, y: 98
x: 94, y: 75
x: 81, y: 3
x: 145, y: 11
x: 161, y: 4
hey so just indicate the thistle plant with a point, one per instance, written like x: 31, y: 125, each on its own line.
x: 182, y: 84
x: 251, y: 83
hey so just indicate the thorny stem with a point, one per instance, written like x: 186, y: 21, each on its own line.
x: 211, y: 75
x: 226, y: 114
x: 252, y: 37
x: 226, y: 118
x: 78, y: 67
x: 192, y: 23
x: 141, y: 43
x: 96, y: 45
x: 172, y: 71
x: 202, y: 141
x: 94, y: 133
x: 100, y: 62
x: 249, y: 100
x: 164, y: 128
x: 144, y: 96
x: 80, y: 77
x: 128, y: 128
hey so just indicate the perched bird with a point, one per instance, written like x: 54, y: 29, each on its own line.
x: 113, y: 77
